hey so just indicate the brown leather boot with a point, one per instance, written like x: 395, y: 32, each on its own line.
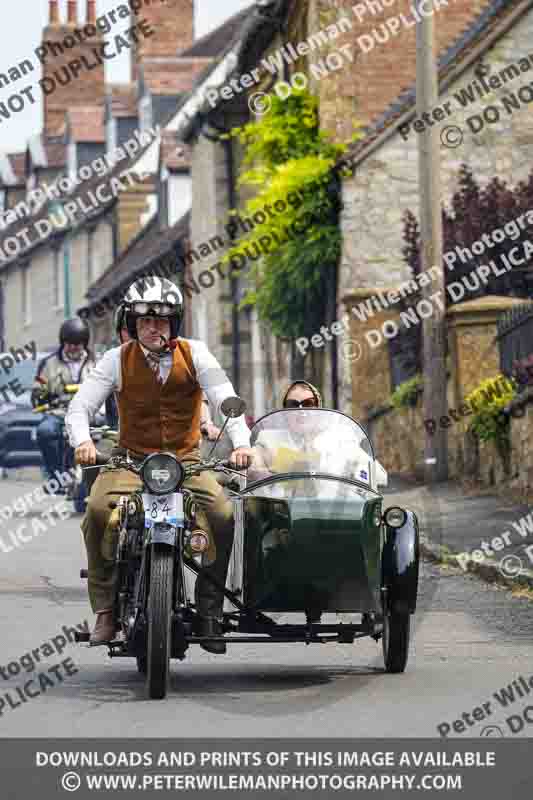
x: 105, y: 627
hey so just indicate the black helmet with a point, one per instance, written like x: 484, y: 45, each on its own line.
x: 74, y: 331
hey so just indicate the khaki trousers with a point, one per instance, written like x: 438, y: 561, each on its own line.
x: 214, y: 514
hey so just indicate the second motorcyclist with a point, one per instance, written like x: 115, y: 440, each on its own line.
x: 70, y: 364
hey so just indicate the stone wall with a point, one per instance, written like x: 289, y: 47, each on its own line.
x: 521, y: 436
x: 399, y: 435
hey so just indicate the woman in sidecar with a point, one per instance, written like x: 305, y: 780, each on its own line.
x: 312, y: 537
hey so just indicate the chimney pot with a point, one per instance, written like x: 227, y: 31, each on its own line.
x: 72, y: 12
x: 91, y: 11
x: 53, y: 12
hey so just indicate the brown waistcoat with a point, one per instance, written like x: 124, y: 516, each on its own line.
x: 156, y: 416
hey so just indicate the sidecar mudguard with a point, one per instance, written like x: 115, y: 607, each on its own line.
x: 401, y: 556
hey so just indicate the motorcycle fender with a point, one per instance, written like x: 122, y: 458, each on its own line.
x: 162, y: 534
x: 400, y: 565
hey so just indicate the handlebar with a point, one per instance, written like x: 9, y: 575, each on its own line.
x: 120, y: 462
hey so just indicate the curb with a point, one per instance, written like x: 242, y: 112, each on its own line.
x: 487, y: 570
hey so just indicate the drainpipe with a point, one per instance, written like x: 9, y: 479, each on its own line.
x: 66, y: 275
x: 2, y: 318
x: 234, y: 282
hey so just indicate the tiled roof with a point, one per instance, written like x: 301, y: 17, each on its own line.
x: 86, y: 124
x: 213, y: 43
x: 83, y: 192
x: 489, y: 25
x: 150, y: 245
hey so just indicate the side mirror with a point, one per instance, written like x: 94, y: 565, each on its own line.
x: 382, y: 476
x: 233, y: 407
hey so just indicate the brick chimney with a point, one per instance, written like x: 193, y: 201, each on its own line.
x: 173, y: 24
x: 72, y: 74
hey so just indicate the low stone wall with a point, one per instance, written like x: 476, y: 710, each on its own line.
x: 521, y: 461
x: 399, y: 436
x: 398, y: 439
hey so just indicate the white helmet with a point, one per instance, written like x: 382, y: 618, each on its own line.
x: 153, y: 296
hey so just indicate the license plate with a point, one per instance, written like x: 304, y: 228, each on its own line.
x: 166, y: 508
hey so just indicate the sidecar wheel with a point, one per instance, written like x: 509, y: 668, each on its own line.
x: 396, y: 637
x: 159, y: 622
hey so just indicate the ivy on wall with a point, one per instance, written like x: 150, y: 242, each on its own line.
x: 289, y: 160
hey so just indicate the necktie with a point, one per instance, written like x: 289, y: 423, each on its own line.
x: 153, y: 362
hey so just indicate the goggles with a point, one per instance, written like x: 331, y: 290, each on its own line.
x: 153, y: 309
x: 309, y: 402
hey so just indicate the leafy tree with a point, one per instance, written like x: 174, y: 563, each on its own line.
x: 475, y: 211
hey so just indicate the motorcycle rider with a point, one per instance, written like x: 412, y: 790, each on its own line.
x: 158, y: 379
x: 70, y: 364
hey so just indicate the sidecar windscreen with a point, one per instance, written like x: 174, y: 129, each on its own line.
x: 314, y: 440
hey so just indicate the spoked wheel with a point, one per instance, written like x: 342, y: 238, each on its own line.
x: 396, y: 637
x: 159, y: 622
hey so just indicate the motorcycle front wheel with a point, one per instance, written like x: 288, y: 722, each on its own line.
x: 159, y: 613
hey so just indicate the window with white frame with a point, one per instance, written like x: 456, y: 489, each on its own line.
x: 57, y: 278
x: 90, y: 257
x: 72, y: 160
x: 145, y: 113
x: 25, y: 294
x: 111, y: 135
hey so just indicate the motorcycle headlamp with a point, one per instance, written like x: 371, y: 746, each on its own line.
x: 153, y: 309
x: 395, y: 517
x: 162, y: 473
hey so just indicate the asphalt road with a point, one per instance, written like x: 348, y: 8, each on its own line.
x: 470, y: 640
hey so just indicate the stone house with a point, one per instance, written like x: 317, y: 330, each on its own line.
x: 372, y: 90
x: 44, y: 278
x: 474, y: 40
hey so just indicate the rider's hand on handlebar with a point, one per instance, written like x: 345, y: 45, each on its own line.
x: 85, y: 454
x: 241, y: 458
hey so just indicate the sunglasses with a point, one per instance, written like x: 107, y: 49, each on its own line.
x: 309, y: 402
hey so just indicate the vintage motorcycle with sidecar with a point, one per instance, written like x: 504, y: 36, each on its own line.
x: 311, y: 538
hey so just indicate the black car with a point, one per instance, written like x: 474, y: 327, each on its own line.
x: 18, y: 423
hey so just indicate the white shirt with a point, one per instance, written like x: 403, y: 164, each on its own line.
x: 106, y: 378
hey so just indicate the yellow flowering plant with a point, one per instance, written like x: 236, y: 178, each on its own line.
x: 487, y: 401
